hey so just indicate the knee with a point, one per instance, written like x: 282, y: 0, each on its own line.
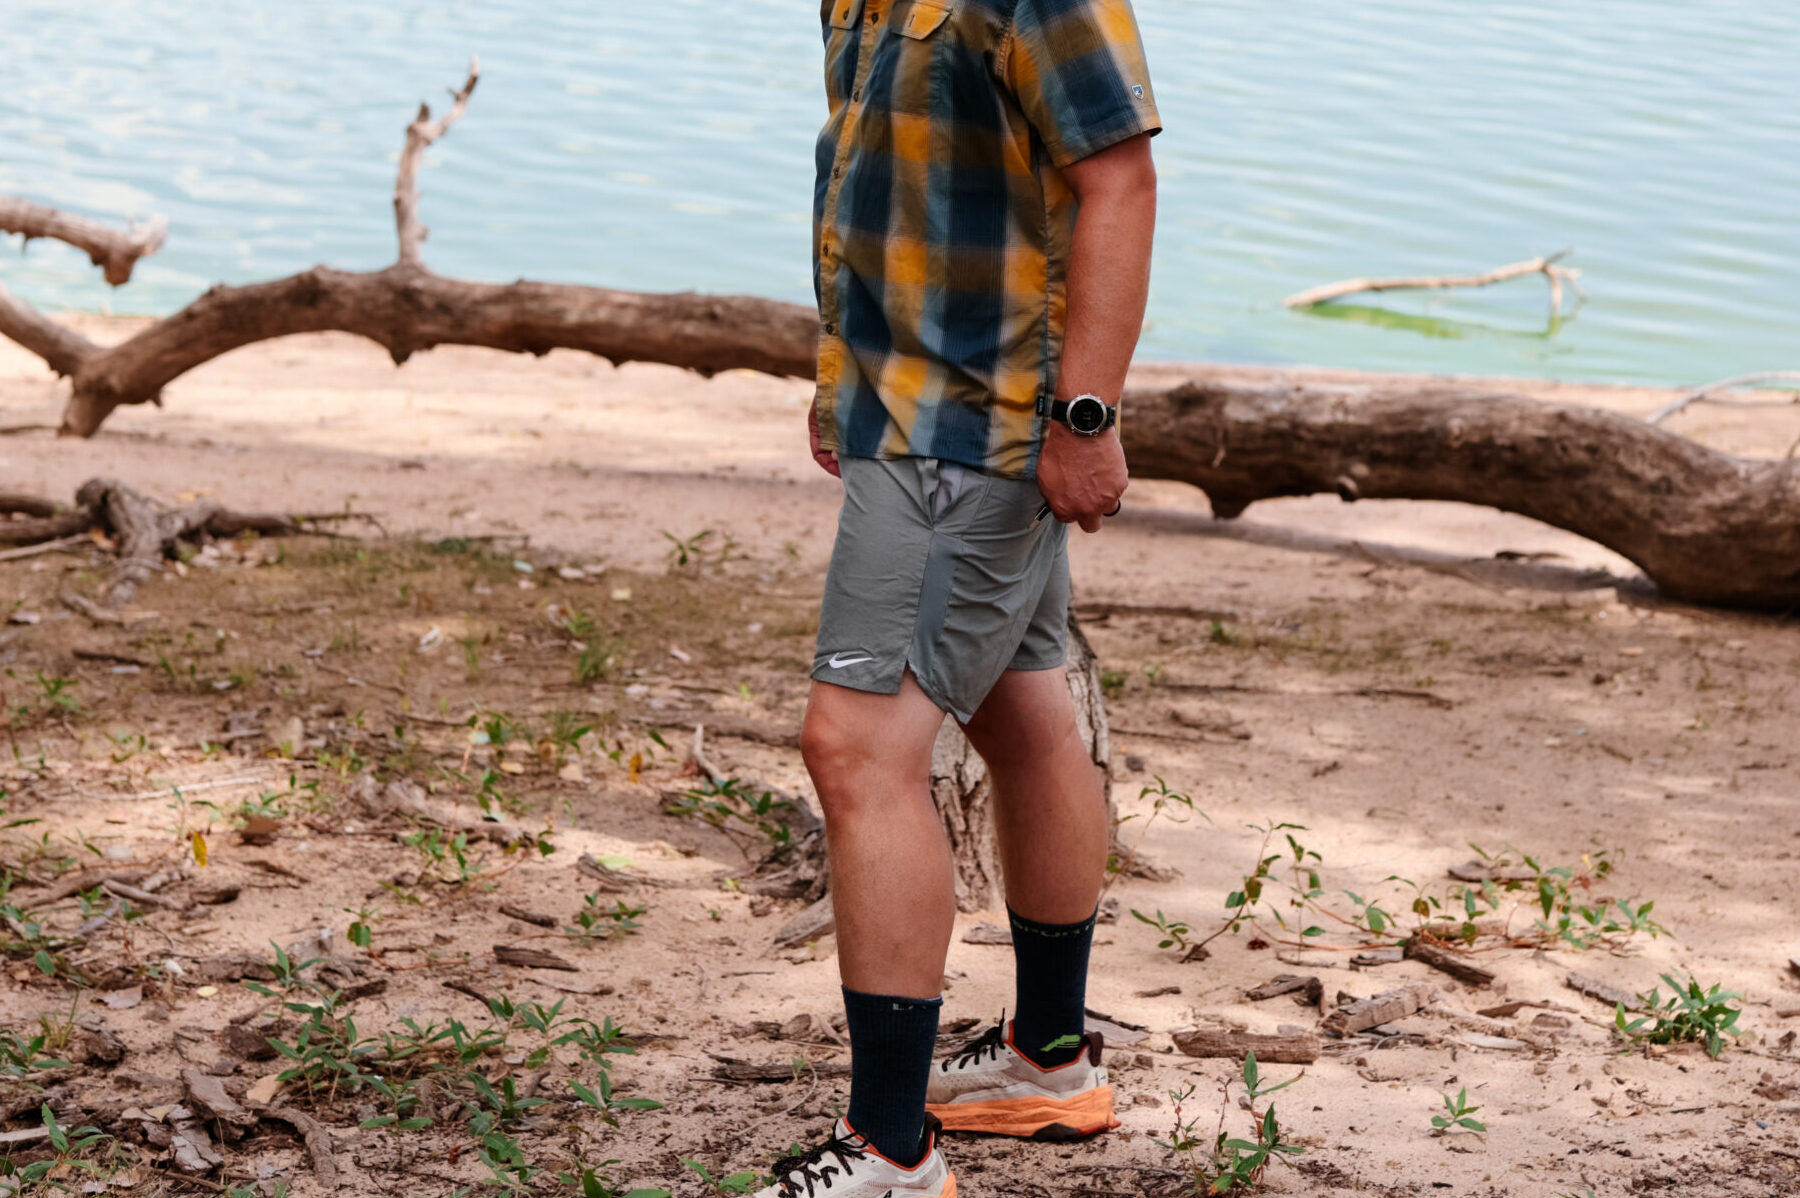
x: 833, y: 758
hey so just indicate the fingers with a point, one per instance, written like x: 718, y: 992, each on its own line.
x: 1089, y: 523
x: 828, y: 462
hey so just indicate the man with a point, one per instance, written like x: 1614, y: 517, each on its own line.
x: 983, y: 219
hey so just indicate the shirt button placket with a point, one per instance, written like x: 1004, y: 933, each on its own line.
x: 872, y: 12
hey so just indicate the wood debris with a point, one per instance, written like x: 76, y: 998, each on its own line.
x: 1371, y: 1012
x: 1295, y: 1048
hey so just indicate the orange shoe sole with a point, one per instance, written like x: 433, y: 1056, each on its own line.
x: 1036, y: 1118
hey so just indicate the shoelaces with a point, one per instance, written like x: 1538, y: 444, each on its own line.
x: 990, y: 1042
x: 810, y: 1167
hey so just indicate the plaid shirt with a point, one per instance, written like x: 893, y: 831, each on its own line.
x: 942, y: 221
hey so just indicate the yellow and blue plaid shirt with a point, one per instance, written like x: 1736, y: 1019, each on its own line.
x: 942, y: 222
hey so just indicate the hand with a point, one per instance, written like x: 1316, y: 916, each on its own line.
x: 826, y: 459
x: 1083, y: 478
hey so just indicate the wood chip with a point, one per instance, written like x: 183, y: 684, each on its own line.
x: 1442, y: 959
x: 1114, y: 1033
x: 526, y: 916
x: 1158, y: 992
x: 1370, y: 1012
x: 1612, y: 996
x: 1293, y: 1049
x: 1487, y: 871
x: 207, y: 1096
x: 1287, y: 983
x: 779, y: 1071
x: 987, y: 933
x: 818, y: 920
x: 531, y: 958
x: 1372, y: 957
x: 1498, y: 1043
x: 1505, y: 1010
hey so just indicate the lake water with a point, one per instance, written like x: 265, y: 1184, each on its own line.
x: 666, y: 144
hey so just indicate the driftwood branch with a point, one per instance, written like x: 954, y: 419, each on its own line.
x: 419, y: 135
x: 406, y: 308
x: 115, y: 253
x: 1710, y: 394
x: 1705, y: 526
x: 1556, y: 275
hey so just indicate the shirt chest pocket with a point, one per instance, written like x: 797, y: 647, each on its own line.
x: 920, y: 19
x: 914, y: 54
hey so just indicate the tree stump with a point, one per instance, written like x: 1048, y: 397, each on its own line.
x: 964, y: 795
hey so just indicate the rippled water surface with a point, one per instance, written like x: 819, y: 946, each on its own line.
x: 666, y: 144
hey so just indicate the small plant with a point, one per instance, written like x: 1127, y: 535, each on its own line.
x: 1177, y: 807
x: 68, y: 1144
x: 1174, y: 932
x: 1690, y: 1014
x: 746, y: 817
x: 1457, y: 1113
x: 736, y: 1183
x: 597, y: 921
x: 1232, y: 1164
x: 687, y: 551
x: 1112, y: 683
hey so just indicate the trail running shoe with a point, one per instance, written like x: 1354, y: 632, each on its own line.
x: 847, y: 1166
x: 990, y: 1086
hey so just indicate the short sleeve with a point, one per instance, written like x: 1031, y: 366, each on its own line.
x: 1078, y: 71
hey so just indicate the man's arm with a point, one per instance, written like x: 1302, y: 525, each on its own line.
x: 1083, y: 478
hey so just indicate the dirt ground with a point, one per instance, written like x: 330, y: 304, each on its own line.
x: 517, y: 636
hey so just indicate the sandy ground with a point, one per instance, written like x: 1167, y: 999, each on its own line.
x: 1399, y: 713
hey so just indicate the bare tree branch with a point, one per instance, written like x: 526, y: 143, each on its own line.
x: 1546, y: 266
x: 114, y: 252
x: 419, y: 135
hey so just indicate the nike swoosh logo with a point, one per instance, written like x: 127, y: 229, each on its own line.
x: 839, y: 661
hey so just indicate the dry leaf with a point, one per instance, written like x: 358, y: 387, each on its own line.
x: 199, y: 850
x: 637, y: 766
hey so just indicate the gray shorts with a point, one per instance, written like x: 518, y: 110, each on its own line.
x: 941, y: 569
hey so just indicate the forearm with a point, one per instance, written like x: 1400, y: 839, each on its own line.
x: 1108, y: 283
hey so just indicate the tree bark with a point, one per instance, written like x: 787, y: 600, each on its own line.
x: 1705, y: 526
x: 964, y: 794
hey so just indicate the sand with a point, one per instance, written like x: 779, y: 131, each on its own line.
x: 1400, y: 714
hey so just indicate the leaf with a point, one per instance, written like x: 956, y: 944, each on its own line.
x: 46, y: 965
x: 199, y: 843
x: 1472, y: 1124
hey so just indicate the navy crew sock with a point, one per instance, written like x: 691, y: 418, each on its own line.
x: 1050, y: 964
x: 892, y: 1041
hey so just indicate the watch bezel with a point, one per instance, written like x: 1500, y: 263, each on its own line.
x: 1100, y: 420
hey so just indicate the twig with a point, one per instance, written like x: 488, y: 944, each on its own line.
x: 1546, y: 266
x: 1708, y: 394
x: 318, y: 1142
x: 167, y: 791
x: 13, y: 555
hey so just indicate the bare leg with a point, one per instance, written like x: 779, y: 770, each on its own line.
x: 1049, y: 810
x: 892, y: 881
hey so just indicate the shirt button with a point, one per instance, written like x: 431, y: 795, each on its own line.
x: 830, y: 329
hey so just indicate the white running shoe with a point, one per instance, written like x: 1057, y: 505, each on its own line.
x: 847, y: 1166
x: 990, y: 1086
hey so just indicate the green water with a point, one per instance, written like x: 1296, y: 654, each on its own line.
x: 667, y: 145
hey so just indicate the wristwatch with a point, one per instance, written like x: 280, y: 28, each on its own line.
x: 1085, y: 415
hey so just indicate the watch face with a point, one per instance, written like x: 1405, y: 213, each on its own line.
x: 1087, y: 415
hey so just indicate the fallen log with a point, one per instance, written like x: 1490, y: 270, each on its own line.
x: 1705, y: 526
